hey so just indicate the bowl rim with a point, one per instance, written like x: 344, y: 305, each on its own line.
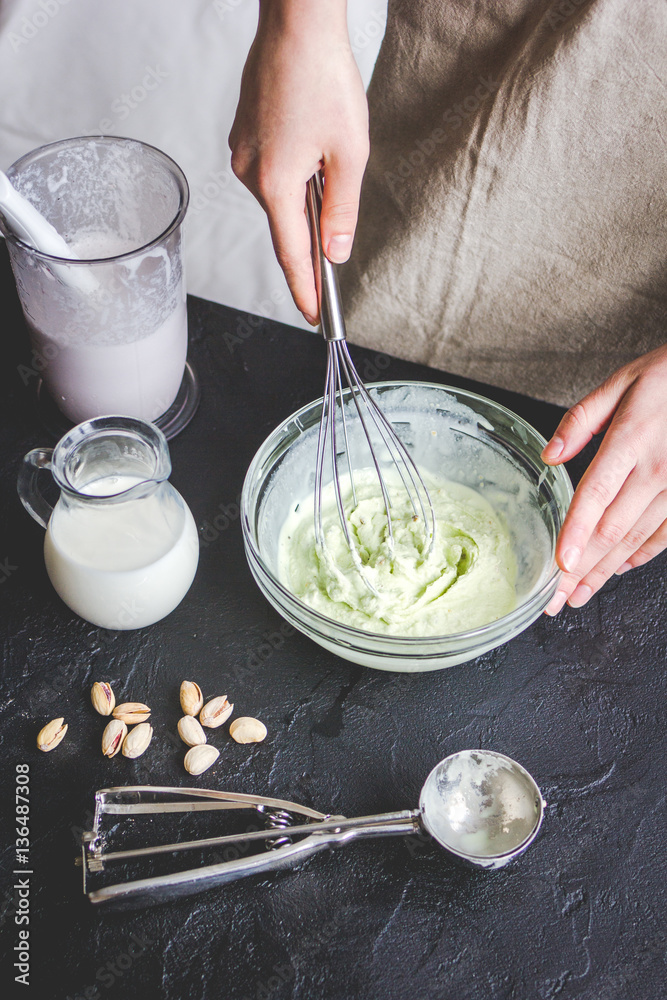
x: 356, y: 634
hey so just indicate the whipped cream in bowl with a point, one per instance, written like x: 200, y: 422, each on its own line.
x: 465, y: 579
x: 490, y: 571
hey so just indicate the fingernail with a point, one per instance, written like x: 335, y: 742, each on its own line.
x: 310, y: 319
x: 570, y: 558
x: 339, y: 248
x: 624, y: 568
x: 582, y: 594
x: 556, y: 603
x: 553, y: 448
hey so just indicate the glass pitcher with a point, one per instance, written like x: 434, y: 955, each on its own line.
x: 121, y: 546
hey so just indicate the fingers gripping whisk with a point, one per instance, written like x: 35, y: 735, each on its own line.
x: 344, y: 395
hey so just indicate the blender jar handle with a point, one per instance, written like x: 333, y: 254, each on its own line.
x: 29, y: 493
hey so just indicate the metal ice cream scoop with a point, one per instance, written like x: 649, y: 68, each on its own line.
x: 479, y: 805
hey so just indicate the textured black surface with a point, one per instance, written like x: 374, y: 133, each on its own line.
x: 579, y: 700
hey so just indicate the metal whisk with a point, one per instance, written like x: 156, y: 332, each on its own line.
x: 339, y: 367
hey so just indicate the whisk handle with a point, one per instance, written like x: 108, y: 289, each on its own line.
x: 326, y: 279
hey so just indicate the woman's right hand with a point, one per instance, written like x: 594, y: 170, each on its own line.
x: 302, y: 107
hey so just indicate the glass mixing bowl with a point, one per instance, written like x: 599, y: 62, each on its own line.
x: 455, y: 434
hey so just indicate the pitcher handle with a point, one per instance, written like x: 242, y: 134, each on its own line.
x: 30, y: 495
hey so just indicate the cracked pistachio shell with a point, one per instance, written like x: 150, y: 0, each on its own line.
x: 102, y: 697
x: 132, y: 712
x: 51, y: 735
x: 190, y: 731
x: 198, y: 759
x: 247, y: 730
x: 192, y: 700
x: 137, y: 740
x: 215, y: 712
x: 112, y: 737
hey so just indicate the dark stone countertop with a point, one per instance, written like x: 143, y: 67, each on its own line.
x: 579, y: 700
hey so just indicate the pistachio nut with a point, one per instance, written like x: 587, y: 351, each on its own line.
x: 190, y: 731
x: 137, y: 740
x: 247, y: 730
x: 51, y: 735
x: 198, y: 759
x: 132, y: 712
x: 102, y: 697
x: 192, y: 699
x: 113, y: 736
x: 215, y: 712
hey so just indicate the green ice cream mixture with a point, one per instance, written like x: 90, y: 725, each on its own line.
x: 466, y: 580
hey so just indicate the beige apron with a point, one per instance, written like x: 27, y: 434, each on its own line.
x: 513, y: 225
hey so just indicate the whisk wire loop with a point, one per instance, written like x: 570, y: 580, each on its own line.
x: 319, y: 462
x: 404, y: 460
x: 340, y: 366
x: 355, y: 385
x: 344, y: 422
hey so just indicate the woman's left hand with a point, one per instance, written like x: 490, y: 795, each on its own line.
x: 618, y: 516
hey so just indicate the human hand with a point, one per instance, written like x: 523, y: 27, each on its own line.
x: 302, y: 107
x: 617, y: 519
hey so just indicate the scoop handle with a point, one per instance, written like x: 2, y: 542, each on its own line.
x: 149, y: 891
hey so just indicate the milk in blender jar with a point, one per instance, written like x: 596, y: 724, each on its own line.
x: 109, y: 329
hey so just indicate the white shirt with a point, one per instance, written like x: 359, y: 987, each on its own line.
x: 168, y: 73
